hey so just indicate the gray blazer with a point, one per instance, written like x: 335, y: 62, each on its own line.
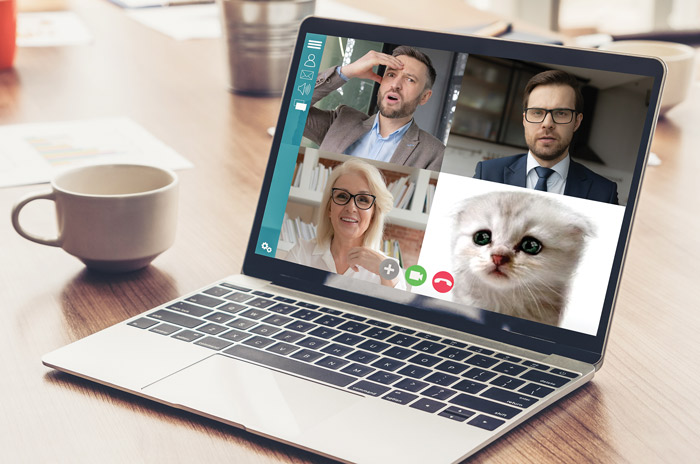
x: 336, y: 130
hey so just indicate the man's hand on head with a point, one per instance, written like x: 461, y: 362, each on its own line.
x: 362, y: 68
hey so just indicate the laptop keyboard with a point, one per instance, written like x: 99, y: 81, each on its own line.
x: 457, y: 381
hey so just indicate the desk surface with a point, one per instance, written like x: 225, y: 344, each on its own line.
x: 643, y: 405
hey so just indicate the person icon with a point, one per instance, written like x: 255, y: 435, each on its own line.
x: 310, y: 61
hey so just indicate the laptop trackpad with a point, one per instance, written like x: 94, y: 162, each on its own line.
x: 254, y: 397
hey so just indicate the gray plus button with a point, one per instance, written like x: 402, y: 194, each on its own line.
x: 389, y: 269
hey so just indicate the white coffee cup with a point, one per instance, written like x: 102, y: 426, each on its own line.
x: 680, y: 64
x: 114, y: 218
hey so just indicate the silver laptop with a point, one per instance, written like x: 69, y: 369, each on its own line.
x: 478, y: 302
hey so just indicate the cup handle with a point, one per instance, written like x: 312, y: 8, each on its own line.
x: 49, y: 195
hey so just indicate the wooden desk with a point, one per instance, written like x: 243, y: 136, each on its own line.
x: 642, y: 407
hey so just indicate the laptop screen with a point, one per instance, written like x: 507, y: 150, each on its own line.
x: 480, y: 184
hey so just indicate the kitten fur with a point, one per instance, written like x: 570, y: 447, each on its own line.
x: 533, y: 287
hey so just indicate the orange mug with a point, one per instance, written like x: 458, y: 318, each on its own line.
x: 8, y: 32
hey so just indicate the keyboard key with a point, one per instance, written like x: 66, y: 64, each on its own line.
x: 278, y: 320
x: 373, y: 346
x: 259, y: 342
x: 507, y: 382
x: 544, y: 378
x: 313, y: 343
x: 508, y: 357
x: 307, y: 305
x: 263, y: 294
x: 388, y: 364
x: 404, y: 330
x: 505, y: 396
x: 217, y: 291
x: 242, y: 324
x: 331, y: 311
x: 266, y: 330
x: 232, y: 308
x: 363, y: 357
x: 454, y: 354
x: 509, y: 368
x: 399, y: 352
x: 354, y: 327
x: 300, y: 326
x: 337, y: 350
x: 219, y: 318
x: 355, y: 317
x: 377, y: 333
x: 290, y: 365
x: 142, y: 323
x: 349, y: 339
x: 369, y: 388
x: 451, y: 367
x: 425, y: 360
x: 479, y: 374
x: 536, y: 390
x: 188, y: 335
x: 403, y: 340
x: 186, y: 308
x: 478, y: 349
x: 400, y: 397
x: 486, y: 422
x: 329, y: 321
x: 235, y: 287
x: 377, y: 323
x: 306, y: 314
x: 165, y: 329
x: 358, y: 370
x: 562, y: 372
x: 441, y: 378
x: 213, y: 343
x: 454, y: 343
x: 536, y: 365
x: 428, y: 405
x: 429, y: 347
x: 285, y: 309
x: 415, y: 372
x: 205, y: 300
x: 176, y: 318
x: 307, y: 355
x: 456, y: 410
x: 212, y: 329
x: 284, y: 300
x: 469, y: 386
x: 434, y: 338
x: 235, y: 335
x: 283, y: 348
x: 454, y: 417
x: 485, y: 406
x: 324, y: 332
x: 288, y: 336
x: 411, y: 385
x: 239, y: 297
x: 386, y: 378
x: 331, y: 362
x: 256, y: 314
x: 481, y: 361
x: 260, y: 303
x: 439, y: 393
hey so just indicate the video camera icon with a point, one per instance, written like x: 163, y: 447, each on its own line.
x: 416, y: 275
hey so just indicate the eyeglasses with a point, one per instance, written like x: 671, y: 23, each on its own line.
x: 362, y: 200
x: 559, y: 115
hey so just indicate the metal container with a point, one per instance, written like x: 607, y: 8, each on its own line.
x: 260, y: 37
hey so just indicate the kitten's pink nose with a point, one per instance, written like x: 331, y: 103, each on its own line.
x: 498, y: 260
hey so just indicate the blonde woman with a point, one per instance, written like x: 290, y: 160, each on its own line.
x: 350, y: 225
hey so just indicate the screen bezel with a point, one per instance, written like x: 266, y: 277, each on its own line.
x: 526, y: 334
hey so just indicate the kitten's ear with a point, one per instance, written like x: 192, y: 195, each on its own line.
x: 582, y: 226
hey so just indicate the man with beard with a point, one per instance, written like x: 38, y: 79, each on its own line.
x: 391, y: 135
x: 552, y: 112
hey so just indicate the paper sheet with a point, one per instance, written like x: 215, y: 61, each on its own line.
x: 181, y: 22
x: 33, y: 153
x: 51, y: 29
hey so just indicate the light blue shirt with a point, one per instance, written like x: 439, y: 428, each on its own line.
x: 373, y: 146
x: 556, y: 183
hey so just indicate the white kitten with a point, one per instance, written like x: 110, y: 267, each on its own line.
x: 516, y: 252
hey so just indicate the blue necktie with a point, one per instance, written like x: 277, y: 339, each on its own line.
x: 543, y: 174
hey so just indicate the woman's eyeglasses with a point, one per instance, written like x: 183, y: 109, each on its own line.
x: 342, y: 197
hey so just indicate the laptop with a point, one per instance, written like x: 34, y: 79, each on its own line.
x: 411, y: 353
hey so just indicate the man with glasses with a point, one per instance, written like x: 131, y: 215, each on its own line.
x: 552, y: 112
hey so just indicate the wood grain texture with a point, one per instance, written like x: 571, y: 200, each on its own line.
x: 642, y: 406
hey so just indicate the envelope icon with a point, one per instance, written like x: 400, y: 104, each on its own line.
x: 308, y: 75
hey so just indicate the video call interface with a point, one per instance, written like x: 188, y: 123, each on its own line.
x: 420, y: 170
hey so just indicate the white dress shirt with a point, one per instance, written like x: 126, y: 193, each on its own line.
x: 556, y: 183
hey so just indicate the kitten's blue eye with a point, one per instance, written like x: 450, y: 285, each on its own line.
x: 531, y: 245
x: 483, y: 237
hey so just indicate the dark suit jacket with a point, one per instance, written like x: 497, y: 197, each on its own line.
x: 336, y: 130
x: 581, y: 182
